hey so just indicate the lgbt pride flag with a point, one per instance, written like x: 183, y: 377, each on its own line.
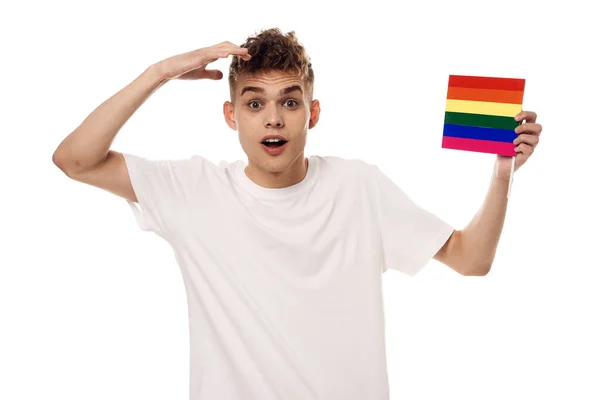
x: 480, y: 114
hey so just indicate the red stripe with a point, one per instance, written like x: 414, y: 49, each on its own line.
x: 482, y: 82
x: 481, y: 146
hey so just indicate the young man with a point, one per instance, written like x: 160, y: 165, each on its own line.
x: 282, y: 257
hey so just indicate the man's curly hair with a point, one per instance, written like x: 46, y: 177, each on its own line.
x: 271, y: 50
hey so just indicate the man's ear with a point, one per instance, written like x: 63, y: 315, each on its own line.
x: 315, y: 111
x: 229, y: 114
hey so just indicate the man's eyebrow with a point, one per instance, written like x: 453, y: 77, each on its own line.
x: 287, y: 90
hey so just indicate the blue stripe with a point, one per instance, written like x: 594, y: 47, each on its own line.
x: 481, y: 133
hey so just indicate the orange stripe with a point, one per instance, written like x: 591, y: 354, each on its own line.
x: 493, y: 95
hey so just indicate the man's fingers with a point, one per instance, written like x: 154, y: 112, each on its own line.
x: 525, y: 149
x: 223, y: 50
x: 230, y: 48
x: 531, y: 140
x: 213, y: 74
x: 529, y: 127
x: 528, y: 116
x: 201, y: 73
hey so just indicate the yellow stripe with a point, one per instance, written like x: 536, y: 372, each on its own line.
x: 483, y: 107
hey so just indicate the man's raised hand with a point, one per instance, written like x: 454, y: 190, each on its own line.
x: 192, y: 65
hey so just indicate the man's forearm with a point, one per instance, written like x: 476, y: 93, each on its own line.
x: 89, y: 144
x: 481, y: 236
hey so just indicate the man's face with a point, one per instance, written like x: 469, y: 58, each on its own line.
x: 273, y: 103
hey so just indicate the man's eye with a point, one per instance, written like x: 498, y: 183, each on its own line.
x: 295, y: 103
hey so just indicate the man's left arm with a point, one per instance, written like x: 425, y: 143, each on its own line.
x: 471, y: 251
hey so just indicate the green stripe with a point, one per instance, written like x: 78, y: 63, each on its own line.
x: 482, y: 120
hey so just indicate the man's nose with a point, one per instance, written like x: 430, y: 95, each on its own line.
x: 275, y: 123
x: 274, y: 118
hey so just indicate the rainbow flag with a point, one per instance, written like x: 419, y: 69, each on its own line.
x: 480, y: 114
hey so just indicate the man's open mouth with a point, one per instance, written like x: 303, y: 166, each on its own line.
x: 274, y: 142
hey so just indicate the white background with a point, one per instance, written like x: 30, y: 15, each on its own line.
x: 91, y: 307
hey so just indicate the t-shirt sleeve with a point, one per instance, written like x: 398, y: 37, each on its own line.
x: 410, y: 235
x: 156, y: 186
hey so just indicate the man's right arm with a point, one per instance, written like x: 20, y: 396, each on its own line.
x: 85, y: 155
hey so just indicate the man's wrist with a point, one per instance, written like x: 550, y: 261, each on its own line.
x: 500, y: 177
x: 156, y: 74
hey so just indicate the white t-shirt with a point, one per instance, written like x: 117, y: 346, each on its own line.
x: 284, y: 284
